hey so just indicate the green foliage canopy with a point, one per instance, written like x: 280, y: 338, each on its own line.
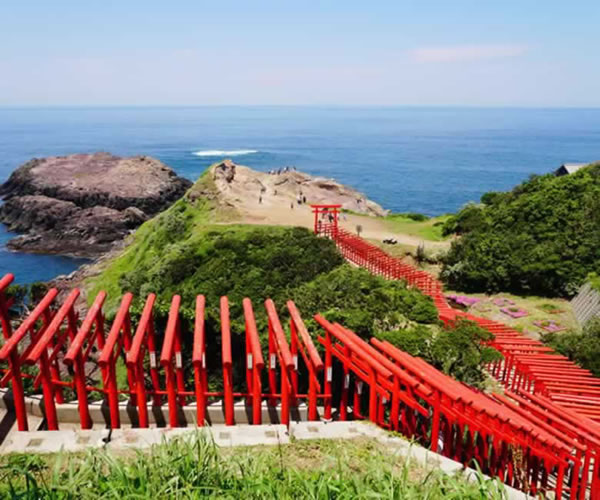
x: 459, y: 351
x: 542, y: 238
x: 364, y: 303
x: 581, y: 347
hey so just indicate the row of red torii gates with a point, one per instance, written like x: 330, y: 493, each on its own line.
x: 530, y: 436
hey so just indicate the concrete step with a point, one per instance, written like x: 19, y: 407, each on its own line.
x: 8, y: 424
x: 236, y: 435
x: 74, y: 440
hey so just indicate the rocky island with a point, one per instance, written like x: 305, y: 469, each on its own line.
x: 82, y: 204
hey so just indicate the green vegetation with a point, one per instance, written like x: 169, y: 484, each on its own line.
x: 413, y: 216
x: 184, y: 468
x: 550, y: 308
x: 189, y: 216
x: 538, y: 308
x: 23, y: 296
x: 457, y: 351
x: 237, y: 261
x: 542, y: 238
x: 371, y: 306
x: 187, y: 251
x: 364, y: 303
x: 594, y: 281
x: 581, y: 347
x: 419, y: 225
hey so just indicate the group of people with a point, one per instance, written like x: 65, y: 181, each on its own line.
x: 279, y: 171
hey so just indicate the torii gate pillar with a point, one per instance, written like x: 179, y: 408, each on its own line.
x: 326, y: 219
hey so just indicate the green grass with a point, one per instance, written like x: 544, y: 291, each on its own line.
x: 431, y: 229
x: 195, y: 468
x: 187, y: 219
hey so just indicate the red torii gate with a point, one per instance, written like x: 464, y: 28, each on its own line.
x: 332, y: 213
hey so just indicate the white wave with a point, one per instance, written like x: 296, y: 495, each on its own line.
x: 218, y: 152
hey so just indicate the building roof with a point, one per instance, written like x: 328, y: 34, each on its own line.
x: 569, y: 168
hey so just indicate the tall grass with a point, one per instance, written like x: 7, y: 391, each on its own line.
x: 195, y: 468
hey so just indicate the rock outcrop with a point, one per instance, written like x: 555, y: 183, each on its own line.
x: 83, y: 204
x: 241, y: 186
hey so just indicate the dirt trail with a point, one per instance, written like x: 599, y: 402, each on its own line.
x: 276, y: 211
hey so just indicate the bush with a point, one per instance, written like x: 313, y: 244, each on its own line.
x: 24, y: 296
x: 594, y: 280
x: 415, y: 216
x: 238, y: 261
x: 470, y: 218
x: 542, y: 238
x: 362, y: 302
x: 582, y: 348
x: 458, y: 351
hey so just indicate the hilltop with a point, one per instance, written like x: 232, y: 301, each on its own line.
x: 198, y: 245
x: 241, y: 186
x: 253, y: 197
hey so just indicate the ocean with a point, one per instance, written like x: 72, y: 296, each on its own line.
x: 428, y: 160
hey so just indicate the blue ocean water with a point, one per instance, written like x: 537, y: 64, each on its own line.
x: 429, y: 160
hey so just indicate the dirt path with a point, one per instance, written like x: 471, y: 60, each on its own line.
x: 277, y: 211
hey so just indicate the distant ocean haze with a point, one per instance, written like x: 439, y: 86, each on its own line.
x: 428, y: 160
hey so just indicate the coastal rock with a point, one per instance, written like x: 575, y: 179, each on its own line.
x: 241, y: 187
x: 225, y: 170
x: 82, y: 204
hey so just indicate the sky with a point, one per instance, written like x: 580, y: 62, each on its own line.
x: 530, y: 53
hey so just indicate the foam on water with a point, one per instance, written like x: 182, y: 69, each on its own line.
x: 219, y: 152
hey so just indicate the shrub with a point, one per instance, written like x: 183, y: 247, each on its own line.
x: 594, y: 281
x: 363, y: 302
x: 470, y: 218
x: 415, y: 216
x: 24, y: 296
x: 458, y: 351
x: 582, y: 348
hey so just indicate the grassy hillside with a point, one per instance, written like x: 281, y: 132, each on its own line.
x: 543, y: 237
x: 190, y: 250
x: 197, y: 469
x: 428, y: 228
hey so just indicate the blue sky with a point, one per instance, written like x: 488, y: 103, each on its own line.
x: 131, y: 52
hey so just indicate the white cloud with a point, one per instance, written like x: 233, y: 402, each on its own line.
x: 466, y: 53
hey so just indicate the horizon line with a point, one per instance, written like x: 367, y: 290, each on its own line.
x: 381, y: 106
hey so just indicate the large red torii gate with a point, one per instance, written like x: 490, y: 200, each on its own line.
x: 330, y: 227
